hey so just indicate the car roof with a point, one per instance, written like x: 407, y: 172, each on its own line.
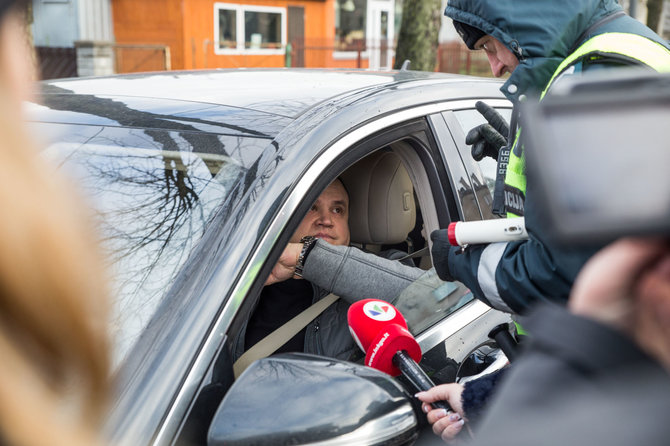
x: 215, y: 101
x: 286, y: 92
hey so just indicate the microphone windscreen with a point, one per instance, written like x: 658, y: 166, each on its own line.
x: 392, y: 339
x: 381, y: 331
x: 368, y: 317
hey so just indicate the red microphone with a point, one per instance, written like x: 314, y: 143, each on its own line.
x: 381, y: 332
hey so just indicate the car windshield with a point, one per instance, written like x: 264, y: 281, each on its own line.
x: 153, y: 206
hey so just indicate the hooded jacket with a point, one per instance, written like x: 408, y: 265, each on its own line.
x: 543, y: 34
x: 512, y: 276
x: 353, y: 275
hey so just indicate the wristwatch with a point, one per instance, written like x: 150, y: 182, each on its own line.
x: 308, y: 242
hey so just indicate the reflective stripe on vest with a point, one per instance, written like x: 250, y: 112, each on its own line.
x: 515, y: 180
x: 637, y: 48
x: 632, y: 46
x: 486, y: 275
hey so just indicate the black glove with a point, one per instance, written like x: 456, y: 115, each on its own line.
x: 487, y: 139
x: 440, y: 254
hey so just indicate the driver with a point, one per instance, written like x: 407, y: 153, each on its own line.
x: 285, y: 295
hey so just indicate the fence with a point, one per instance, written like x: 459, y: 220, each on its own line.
x: 452, y: 57
x: 136, y: 58
x: 62, y: 62
x: 56, y: 62
x: 326, y: 54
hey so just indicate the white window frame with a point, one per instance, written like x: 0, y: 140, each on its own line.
x: 240, y: 10
x: 353, y: 54
x: 371, y: 6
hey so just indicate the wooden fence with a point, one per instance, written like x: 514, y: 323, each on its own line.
x: 452, y: 57
x: 56, y: 63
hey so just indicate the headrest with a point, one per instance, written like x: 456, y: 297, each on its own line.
x: 381, y: 199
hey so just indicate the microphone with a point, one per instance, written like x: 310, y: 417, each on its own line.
x: 381, y: 332
x: 463, y: 233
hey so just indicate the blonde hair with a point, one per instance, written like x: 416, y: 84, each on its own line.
x: 53, y: 301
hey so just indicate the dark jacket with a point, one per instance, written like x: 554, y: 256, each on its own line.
x: 513, y: 276
x: 327, y: 335
x: 581, y: 383
x: 542, y: 35
x: 353, y: 275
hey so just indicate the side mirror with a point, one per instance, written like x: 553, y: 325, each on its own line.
x: 305, y: 399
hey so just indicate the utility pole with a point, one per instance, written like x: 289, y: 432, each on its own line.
x: 633, y: 9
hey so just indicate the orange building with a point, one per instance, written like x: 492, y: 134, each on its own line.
x: 254, y: 33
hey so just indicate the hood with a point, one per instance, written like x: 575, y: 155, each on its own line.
x: 541, y: 34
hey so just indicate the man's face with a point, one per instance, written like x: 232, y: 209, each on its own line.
x: 501, y: 59
x: 328, y: 218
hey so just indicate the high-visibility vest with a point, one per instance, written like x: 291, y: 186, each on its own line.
x: 632, y: 47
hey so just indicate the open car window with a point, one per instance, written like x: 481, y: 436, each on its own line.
x: 429, y: 300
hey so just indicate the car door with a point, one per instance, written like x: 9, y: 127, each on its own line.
x: 183, y: 356
x: 443, y: 187
x: 481, y: 174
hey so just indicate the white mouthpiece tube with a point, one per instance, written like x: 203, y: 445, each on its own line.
x: 463, y: 233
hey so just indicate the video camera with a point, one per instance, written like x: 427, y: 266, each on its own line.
x: 598, y: 148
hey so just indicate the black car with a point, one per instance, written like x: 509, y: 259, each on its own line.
x: 200, y: 178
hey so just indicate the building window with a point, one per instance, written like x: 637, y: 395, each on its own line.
x: 350, y: 24
x: 244, y: 29
x: 227, y: 29
x: 262, y: 29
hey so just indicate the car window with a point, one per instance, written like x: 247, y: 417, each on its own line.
x: 152, y: 207
x: 428, y: 300
x: 471, y: 118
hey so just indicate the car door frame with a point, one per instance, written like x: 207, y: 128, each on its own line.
x: 474, y: 172
x: 265, y: 252
x: 419, y: 132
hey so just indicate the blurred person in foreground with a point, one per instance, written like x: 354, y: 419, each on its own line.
x: 53, y: 332
x: 597, y: 372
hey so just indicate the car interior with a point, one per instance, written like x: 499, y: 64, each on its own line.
x: 382, y: 205
x: 391, y: 208
x: 383, y: 215
x: 391, y: 202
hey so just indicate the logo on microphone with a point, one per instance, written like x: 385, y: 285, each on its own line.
x: 379, y: 345
x: 379, y: 310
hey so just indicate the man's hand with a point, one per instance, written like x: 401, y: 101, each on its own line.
x: 627, y: 286
x: 285, y: 267
x: 446, y: 425
x: 652, y: 331
x: 605, y: 287
x: 487, y: 139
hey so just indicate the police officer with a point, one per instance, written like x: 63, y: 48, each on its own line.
x: 538, y: 46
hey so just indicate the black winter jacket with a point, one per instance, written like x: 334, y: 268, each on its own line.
x: 578, y: 382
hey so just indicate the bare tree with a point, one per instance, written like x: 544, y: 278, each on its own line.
x: 654, y: 12
x: 419, y: 31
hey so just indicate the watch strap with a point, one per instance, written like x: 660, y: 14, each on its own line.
x: 308, y: 243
